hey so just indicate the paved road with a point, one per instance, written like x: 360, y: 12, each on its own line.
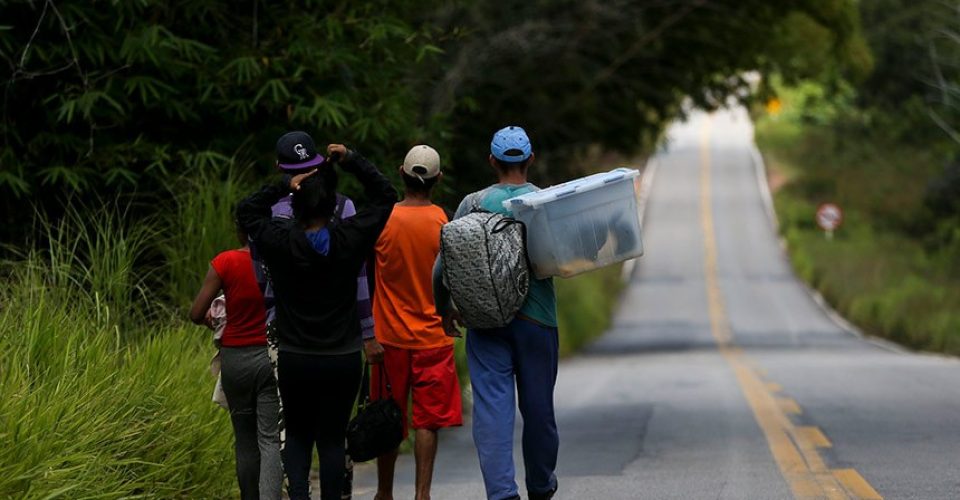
x: 721, y: 377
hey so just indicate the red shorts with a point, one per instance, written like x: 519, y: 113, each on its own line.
x: 429, y: 376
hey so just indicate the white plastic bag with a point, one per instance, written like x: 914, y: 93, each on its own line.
x: 218, y: 312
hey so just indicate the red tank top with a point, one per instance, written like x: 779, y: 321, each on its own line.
x: 246, y: 314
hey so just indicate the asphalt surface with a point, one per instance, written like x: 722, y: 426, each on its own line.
x: 721, y: 376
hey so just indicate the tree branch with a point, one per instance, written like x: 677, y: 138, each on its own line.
x: 950, y: 131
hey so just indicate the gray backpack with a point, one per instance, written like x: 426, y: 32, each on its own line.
x: 485, y: 267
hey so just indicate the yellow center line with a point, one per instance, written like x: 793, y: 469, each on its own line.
x: 815, y: 436
x: 794, y: 448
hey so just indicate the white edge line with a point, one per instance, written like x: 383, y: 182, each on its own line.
x: 831, y: 313
x: 646, y: 185
x: 761, y: 170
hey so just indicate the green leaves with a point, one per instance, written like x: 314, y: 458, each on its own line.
x: 327, y: 111
x: 244, y: 69
x: 119, y: 176
x: 14, y: 182
x: 275, y: 89
x: 150, y: 90
x: 143, y: 86
x: 205, y: 160
x: 427, y: 50
x: 160, y: 47
x: 85, y: 104
x: 75, y: 178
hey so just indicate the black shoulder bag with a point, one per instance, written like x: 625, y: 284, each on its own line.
x: 378, y: 426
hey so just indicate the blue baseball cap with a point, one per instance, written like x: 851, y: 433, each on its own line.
x: 511, y: 144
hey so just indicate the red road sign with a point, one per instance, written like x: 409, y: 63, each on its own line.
x: 829, y: 216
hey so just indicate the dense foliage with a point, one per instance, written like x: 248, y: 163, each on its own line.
x: 885, y: 148
x: 101, y: 97
x: 116, y: 96
x: 908, y: 103
x: 613, y: 73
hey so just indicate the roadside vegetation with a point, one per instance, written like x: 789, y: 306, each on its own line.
x: 105, y: 393
x: 882, y: 150
x: 585, y: 306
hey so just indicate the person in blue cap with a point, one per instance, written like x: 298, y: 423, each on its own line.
x: 524, y: 354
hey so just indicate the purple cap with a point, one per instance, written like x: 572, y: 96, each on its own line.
x: 317, y: 160
x: 296, y: 151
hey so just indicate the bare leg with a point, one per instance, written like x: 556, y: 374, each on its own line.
x: 424, y: 453
x: 385, y: 466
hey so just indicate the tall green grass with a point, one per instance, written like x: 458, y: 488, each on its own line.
x: 883, y: 281
x: 199, y: 224
x: 100, y: 397
x: 585, y: 305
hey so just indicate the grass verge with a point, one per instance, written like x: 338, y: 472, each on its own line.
x: 875, y: 271
x: 102, y: 397
x: 585, y: 306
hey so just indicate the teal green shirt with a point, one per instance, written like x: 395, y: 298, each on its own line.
x: 541, y: 304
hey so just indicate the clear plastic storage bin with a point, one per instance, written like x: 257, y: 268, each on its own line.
x: 581, y: 225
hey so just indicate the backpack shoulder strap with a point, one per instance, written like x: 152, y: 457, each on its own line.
x: 476, y: 200
x: 338, y: 209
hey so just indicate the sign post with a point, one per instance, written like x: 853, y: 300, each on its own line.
x: 829, y: 218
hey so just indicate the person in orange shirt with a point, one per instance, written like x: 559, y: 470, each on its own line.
x: 411, y: 354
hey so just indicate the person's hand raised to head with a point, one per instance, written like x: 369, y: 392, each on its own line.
x: 337, y: 149
x: 296, y: 180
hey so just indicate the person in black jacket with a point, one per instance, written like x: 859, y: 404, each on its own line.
x: 313, y: 263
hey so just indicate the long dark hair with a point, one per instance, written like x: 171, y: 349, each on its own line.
x: 317, y: 196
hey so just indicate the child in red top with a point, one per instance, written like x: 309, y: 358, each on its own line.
x: 246, y: 373
x: 246, y: 319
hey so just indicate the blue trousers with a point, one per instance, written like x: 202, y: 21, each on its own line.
x: 524, y: 355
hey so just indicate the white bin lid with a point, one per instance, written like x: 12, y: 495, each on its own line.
x: 538, y: 198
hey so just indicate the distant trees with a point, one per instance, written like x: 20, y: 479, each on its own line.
x: 99, y: 95
x: 106, y: 96
x: 611, y: 73
x: 913, y: 97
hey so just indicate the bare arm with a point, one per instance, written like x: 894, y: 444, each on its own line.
x: 208, y: 291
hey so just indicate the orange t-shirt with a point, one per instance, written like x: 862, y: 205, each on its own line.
x: 404, y: 314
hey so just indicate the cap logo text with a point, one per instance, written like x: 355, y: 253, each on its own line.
x: 301, y: 151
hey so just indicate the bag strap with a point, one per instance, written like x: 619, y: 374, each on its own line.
x: 339, y: 208
x: 476, y: 201
x: 476, y: 204
x: 504, y: 223
x: 363, y: 398
x: 386, y: 378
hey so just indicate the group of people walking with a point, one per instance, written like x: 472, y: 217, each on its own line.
x: 302, y: 315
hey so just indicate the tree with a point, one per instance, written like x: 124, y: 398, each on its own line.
x: 609, y: 73
x: 99, y: 96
